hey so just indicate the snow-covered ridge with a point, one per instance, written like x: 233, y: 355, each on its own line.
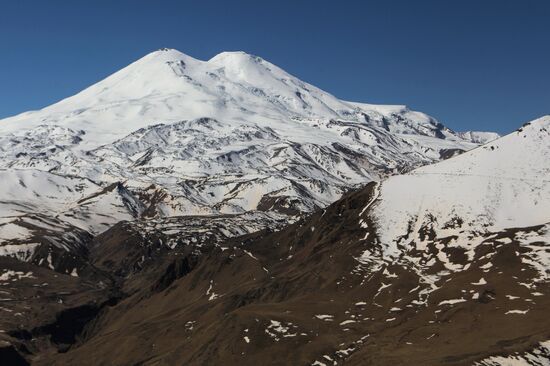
x: 460, y: 202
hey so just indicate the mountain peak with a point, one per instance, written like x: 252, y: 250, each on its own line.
x: 167, y: 54
x: 246, y: 67
x: 238, y: 56
x: 225, y: 57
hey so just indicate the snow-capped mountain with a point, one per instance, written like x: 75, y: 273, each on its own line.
x: 170, y: 135
x: 168, y: 86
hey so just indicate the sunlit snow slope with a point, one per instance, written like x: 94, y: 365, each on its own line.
x: 438, y: 215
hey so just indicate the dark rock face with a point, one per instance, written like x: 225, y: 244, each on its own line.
x: 449, y: 153
x: 10, y: 356
x: 179, y: 268
x: 70, y: 323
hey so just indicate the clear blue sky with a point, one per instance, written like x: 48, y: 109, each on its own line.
x: 473, y: 64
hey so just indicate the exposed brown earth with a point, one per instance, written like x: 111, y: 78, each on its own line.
x: 294, y: 297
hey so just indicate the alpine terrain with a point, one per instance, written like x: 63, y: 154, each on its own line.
x: 188, y: 212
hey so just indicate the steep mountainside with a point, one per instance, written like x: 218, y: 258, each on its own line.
x: 447, y: 209
x: 403, y: 272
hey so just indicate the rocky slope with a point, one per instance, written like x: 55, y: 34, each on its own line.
x: 417, y: 269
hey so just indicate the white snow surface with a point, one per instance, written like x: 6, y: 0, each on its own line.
x: 501, y: 185
x: 72, y: 199
x: 479, y: 137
